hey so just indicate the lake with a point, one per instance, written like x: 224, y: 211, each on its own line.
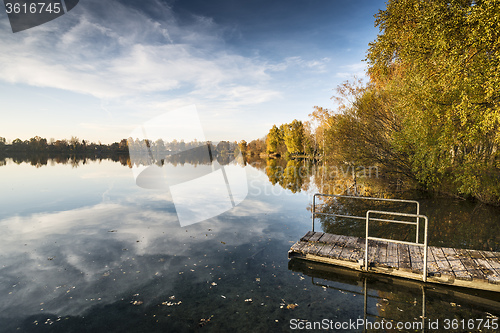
x: 85, y: 249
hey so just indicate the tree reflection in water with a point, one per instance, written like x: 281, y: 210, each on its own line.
x: 453, y: 222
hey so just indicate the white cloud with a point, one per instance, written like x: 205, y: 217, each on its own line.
x: 316, y: 65
x: 349, y: 71
x: 111, y: 51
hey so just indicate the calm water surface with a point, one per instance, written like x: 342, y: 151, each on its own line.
x: 86, y: 250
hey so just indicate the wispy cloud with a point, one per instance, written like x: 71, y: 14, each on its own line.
x: 316, y: 65
x: 112, y: 51
x: 348, y: 71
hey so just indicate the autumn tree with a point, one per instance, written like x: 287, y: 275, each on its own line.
x: 242, y: 147
x: 293, y: 135
x: 440, y: 63
x: 274, y: 140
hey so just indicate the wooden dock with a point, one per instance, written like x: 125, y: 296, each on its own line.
x: 449, y: 266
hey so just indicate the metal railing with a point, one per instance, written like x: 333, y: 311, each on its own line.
x: 424, y: 245
x: 368, y: 219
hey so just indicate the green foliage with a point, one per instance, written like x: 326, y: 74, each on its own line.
x: 274, y: 140
x: 2, y: 144
x: 242, y: 147
x: 289, y: 139
x: 431, y: 110
x: 256, y: 147
x: 293, y: 135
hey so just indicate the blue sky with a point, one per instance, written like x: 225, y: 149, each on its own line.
x: 106, y: 67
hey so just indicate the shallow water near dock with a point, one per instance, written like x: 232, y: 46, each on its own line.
x: 85, y: 249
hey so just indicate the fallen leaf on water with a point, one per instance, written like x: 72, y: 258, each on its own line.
x: 292, y: 306
x: 204, y: 321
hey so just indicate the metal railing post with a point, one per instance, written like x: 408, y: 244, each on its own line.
x: 366, y: 240
x: 425, y: 248
x: 313, y: 210
x: 418, y: 220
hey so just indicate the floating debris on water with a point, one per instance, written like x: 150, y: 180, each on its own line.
x: 490, y: 316
x: 204, y: 321
x: 292, y: 306
x: 171, y: 303
x: 136, y: 302
x: 249, y: 300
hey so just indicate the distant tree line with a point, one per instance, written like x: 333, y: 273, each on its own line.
x: 145, y: 152
x: 38, y: 151
x: 74, y: 146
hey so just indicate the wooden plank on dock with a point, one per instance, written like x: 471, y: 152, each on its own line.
x: 493, y: 256
x: 297, y: 247
x: 372, y: 252
x: 459, y: 269
x: 492, y: 260
x: 432, y: 267
x: 311, y: 248
x: 338, y: 247
x: 392, y: 255
x: 320, y: 244
x: 330, y: 244
x: 349, y: 248
x: 471, y: 265
x: 380, y: 253
x: 416, y: 259
x: 326, y: 238
x: 316, y: 236
x: 404, y: 257
x: 359, y: 250
x: 307, y: 236
x: 325, y: 250
x: 443, y: 265
x: 486, y: 266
